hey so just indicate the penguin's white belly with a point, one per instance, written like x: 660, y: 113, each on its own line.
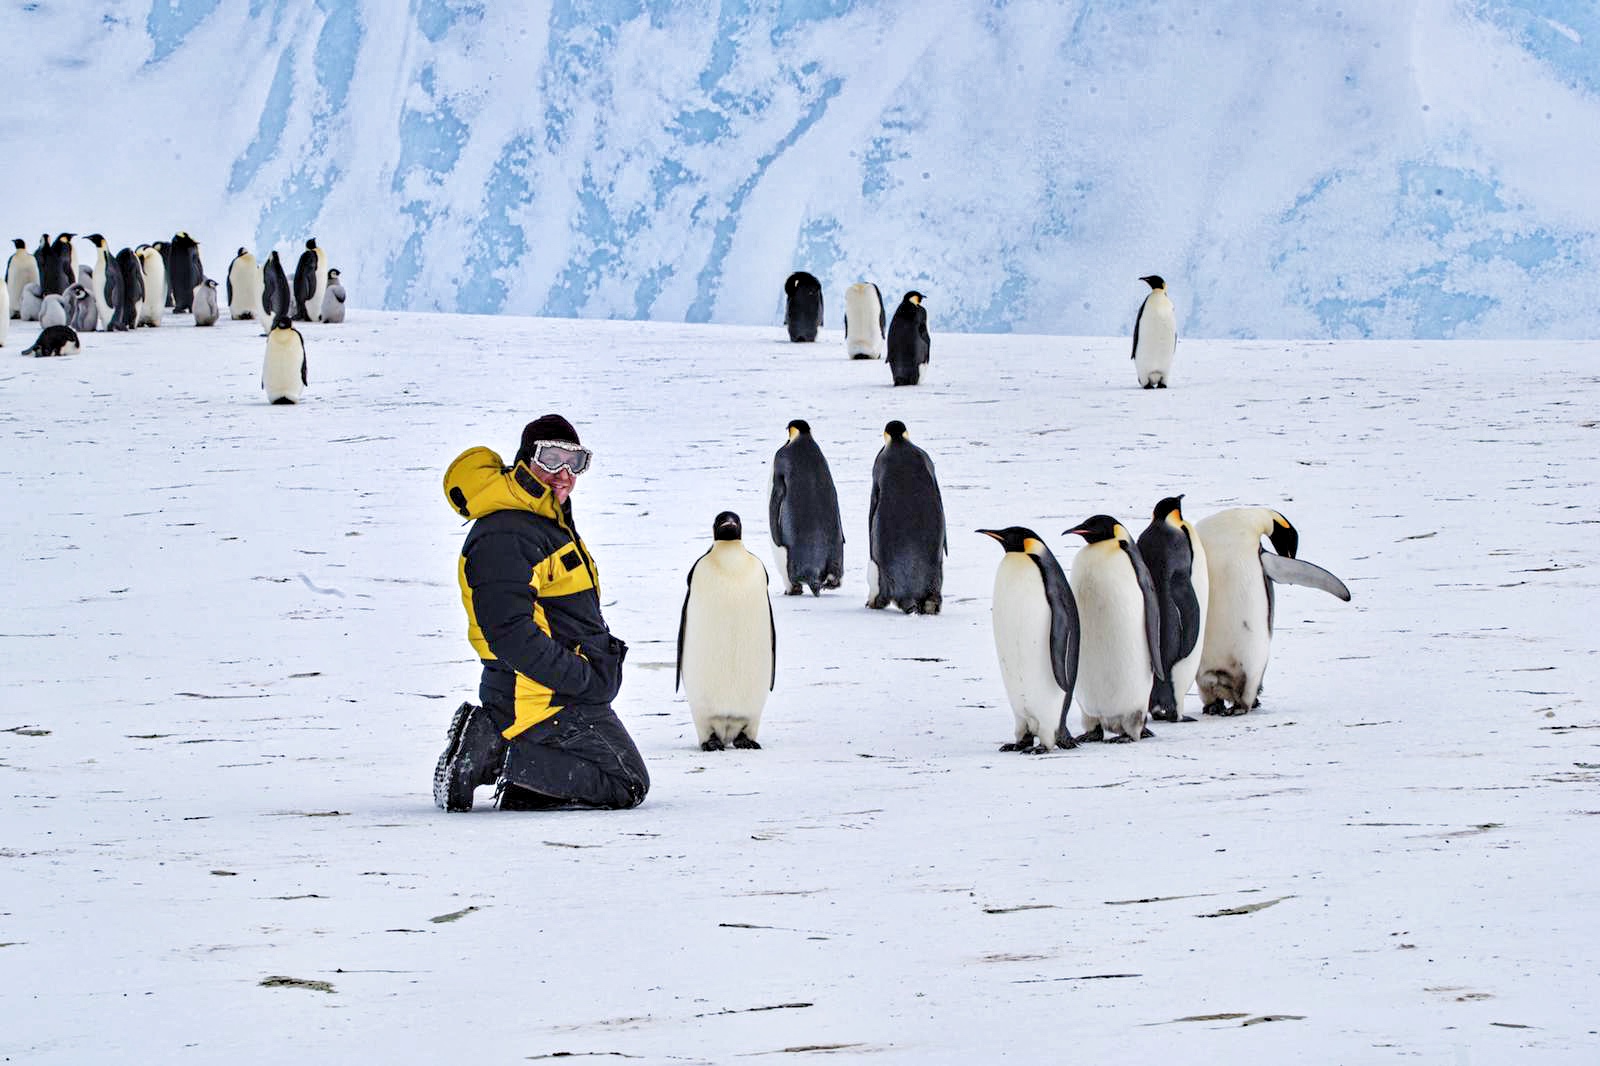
x: 98, y: 287
x: 155, y: 288
x: 281, y: 372
x: 1114, y: 672
x: 864, y: 339
x: 1158, y: 338
x: 245, y: 278
x: 314, y: 305
x: 1236, y: 641
x: 727, y: 645
x: 1185, y: 669
x: 1022, y: 643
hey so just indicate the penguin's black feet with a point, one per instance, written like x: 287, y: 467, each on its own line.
x: 830, y: 581
x: 1164, y: 716
x: 1149, y: 384
x: 816, y: 590
x: 877, y: 603
x: 1256, y: 704
x: 1161, y: 384
x: 742, y: 741
x: 1120, y: 738
x: 1215, y: 707
x: 930, y: 605
x: 1097, y: 733
x: 1234, y: 710
x: 1022, y: 743
x: 1146, y: 735
x: 1186, y: 718
x: 712, y: 743
x: 1037, y: 749
x: 793, y: 590
x: 1064, y: 741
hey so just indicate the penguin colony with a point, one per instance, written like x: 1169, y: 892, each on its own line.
x: 112, y: 292
x: 1126, y: 634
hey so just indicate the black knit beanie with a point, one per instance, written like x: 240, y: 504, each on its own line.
x: 545, y: 427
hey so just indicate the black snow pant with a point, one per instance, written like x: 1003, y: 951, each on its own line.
x: 579, y: 755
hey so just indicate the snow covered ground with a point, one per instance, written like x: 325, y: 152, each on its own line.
x: 230, y: 639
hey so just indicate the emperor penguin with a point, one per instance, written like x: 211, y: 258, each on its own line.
x: 244, y: 287
x: 1036, y: 637
x: 310, y: 281
x: 132, y: 271
x: 53, y: 312
x: 1155, y: 335
x: 727, y: 641
x: 1238, y: 633
x: 802, y: 311
x: 284, y: 373
x: 333, y: 299
x: 54, y: 340
x: 906, y: 542
x: 1176, y: 560
x: 184, y: 272
x: 1121, y: 657
x: 58, y: 265
x: 107, y: 283
x: 863, y: 321
x: 154, y: 269
x: 275, y: 294
x: 204, y: 304
x: 32, y: 302
x: 803, y: 515
x: 22, y: 270
x: 82, y: 314
x: 908, y: 340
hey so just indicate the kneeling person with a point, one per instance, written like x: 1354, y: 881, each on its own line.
x: 545, y: 734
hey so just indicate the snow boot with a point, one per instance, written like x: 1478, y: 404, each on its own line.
x: 474, y: 751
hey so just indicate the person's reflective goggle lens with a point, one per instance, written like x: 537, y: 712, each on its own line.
x: 550, y: 456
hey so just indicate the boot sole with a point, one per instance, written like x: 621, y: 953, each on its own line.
x: 450, y: 791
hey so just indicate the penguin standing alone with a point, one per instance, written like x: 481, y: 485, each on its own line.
x: 333, y: 299
x: 244, y: 287
x: 1036, y: 637
x: 803, y: 515
x: 284, y: 373
x: 310, y: 280
x: 908, y: 340
x: 727, y: 641
x: 905, y: 528
x: 1121, y: 657
x: 1238, y: 633
x: 1155, y: 335
x: 1176, y: 560
x: 204, y: 304
x: 22, y: 270
x: 802, y: 309
x: 863, y: 321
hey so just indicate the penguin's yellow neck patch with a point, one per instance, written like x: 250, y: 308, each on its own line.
x: 1032, y: 547
x: 917, y: 300
x: 793, y: 433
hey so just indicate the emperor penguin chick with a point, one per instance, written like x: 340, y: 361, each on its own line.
x: 727, y: 641
x: 1036, y: 638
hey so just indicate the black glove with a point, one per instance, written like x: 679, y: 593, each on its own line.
x: 604, y: 654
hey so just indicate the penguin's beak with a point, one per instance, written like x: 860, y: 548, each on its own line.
x: 988, y: 533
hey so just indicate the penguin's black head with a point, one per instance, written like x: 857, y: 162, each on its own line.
x: 1285, y: 538
x: 311, y: 245
x: 1170, y: 505
x: 20, y: 243
x: 895, y: 430
x: 727, y: 527
x: 282, y: 322
x: 211, y: 283
x: 913, y: 297
x: 333, y: 275
x: 240, y: 252
x: 1154, y: 281
x: 800, y: 426
x: 1096, y: 528
x: 1016, y: 539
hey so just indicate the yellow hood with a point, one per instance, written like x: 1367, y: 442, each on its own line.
x: 478, y: 483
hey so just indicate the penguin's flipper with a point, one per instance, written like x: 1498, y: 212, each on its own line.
x: 303, y: 379
x: 780, y: 489
x: 1136, y: 319
x: 683, y: 622
x: 772, y: 626
x: 1152, y: 608
x: 1188, y: 604
x: 1287, y: 571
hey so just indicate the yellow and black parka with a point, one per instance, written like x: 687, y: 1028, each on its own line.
x: 530, y: 589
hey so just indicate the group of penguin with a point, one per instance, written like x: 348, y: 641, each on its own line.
x: 1155, y: 327
x: 1134, y: 626
x: 135, y: 286
x: 905, y: 343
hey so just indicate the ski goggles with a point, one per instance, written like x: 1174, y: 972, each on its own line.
x: 551, y: 455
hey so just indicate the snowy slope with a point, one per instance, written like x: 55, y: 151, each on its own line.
x: 231, y: 639
x: 1411, y: 169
